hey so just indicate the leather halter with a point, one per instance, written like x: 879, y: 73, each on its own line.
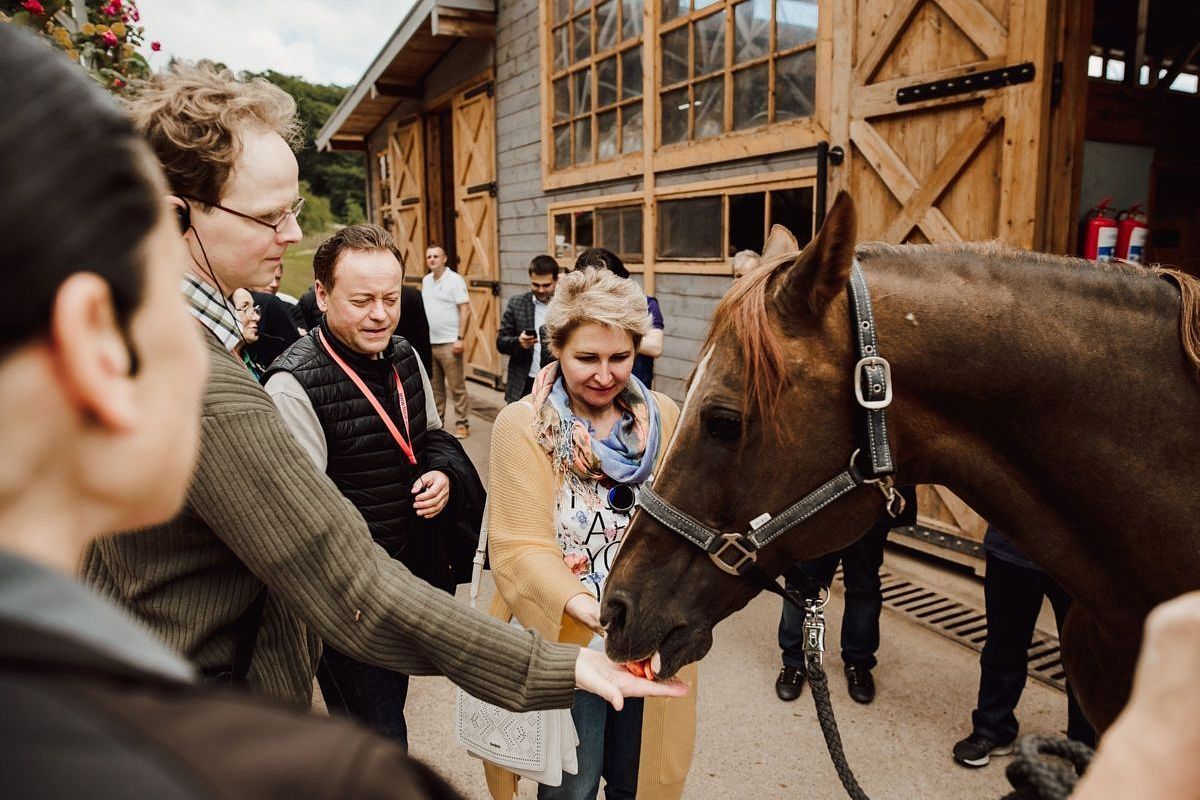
x: 737, y: 553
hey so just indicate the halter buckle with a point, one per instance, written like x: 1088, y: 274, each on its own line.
x: 860, y: 377
x: 742, y: 555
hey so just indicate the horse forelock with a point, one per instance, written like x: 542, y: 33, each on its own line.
x: 742, y: 315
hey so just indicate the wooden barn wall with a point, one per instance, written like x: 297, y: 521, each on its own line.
x: 468, y: 58
x: 687, y: 301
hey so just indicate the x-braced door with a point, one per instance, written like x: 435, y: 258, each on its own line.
x: 402, y: 204
x: 941, y: 107
x: 476, y: 230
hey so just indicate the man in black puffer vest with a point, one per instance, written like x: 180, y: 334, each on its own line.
x: 358, y: 400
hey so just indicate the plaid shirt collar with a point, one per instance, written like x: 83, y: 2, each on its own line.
x: 207, y: 305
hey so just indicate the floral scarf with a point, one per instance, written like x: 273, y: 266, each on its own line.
x: 626, y: 455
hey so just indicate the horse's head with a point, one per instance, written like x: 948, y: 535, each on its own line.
x: 767, y: 419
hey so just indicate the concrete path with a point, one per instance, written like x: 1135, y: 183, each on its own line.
x: 751, y: 745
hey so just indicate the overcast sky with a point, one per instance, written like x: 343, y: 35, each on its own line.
x: 322, y: 41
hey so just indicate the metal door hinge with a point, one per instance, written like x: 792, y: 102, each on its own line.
x: 965, y: 84
x: 490, y: 187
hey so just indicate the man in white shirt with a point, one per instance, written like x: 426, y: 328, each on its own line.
x: 448, y: 307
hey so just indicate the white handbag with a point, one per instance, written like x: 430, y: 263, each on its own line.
x: 539, y: 745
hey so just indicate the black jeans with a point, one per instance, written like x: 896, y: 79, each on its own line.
x: 610, y: 746
x: 864, y: 602
x: 371, y: 695
x: 1013, y: 598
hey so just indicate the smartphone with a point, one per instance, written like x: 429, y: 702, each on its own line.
x: 529, y: 332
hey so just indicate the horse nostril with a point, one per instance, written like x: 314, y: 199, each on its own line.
x: 617, y: 606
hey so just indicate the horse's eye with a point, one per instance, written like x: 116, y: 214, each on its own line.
x: 724, y: 425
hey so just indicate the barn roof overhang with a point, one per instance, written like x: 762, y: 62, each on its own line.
x: 427, y: 32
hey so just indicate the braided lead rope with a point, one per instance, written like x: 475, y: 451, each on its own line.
x: 819, y: 684
x: 1047, y: 767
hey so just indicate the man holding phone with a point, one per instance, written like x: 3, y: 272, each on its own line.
x: 519, y: 336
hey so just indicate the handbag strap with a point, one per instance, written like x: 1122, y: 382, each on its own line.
x: 480, y: 557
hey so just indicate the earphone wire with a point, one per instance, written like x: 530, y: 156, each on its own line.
x: 212, y: 274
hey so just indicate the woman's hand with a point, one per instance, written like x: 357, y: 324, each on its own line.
x: 432, y: 492
x: 585, y: 609
x: 596, y: 674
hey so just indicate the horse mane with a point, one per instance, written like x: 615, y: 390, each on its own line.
x: 742, y: 312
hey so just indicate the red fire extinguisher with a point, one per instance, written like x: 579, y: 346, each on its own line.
x: 1100, y: 233
x: 1132, y: 232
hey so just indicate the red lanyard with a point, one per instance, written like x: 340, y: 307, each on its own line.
x: 362, y: 387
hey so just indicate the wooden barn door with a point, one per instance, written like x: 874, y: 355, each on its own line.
x: 474, y: 136
x: 941, y: 106
x: 402, y: 206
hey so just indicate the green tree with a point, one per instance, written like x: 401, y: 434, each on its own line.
x: 340, y: 177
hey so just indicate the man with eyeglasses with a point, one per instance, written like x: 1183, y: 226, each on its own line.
x: 267, y: 558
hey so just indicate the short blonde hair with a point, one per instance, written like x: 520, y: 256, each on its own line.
x: 597, y: 296
x: 193, y: 116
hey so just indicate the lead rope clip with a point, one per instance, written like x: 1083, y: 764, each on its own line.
x: 814, y: 629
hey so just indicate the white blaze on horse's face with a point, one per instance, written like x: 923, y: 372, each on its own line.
x: 697, y: 379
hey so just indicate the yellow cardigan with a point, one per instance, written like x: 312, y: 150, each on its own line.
x: 534, y: 585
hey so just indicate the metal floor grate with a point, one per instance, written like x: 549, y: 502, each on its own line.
x: 964, y: 624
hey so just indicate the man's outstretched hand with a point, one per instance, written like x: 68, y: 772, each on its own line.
x: 596, y: 674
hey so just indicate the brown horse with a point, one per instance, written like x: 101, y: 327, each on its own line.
x: 1054, y: 396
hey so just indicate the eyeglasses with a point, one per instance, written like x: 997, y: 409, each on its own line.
x: 293, y: 211
x: 249, y: 310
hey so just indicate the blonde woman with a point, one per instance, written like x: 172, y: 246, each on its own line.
x: 566, y: 464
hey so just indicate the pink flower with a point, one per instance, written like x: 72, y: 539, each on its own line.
x: 156, y: 46
x: 34, y: 7
x: 118, y: 83
x: 576, y: 562
x: 134, y: 15
x: 109, y: 38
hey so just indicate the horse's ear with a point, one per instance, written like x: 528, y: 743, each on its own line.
x: 821, y: 271
x: 779, y: 241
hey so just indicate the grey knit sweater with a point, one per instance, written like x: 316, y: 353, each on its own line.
x: 259, y: 512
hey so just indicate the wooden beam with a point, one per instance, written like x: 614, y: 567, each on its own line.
x: 463, y: 23
x: 885, y: 40
x: 1133, y: 68
x: 340, y: 144
x: 1178, y: 65
x: 396, y: 91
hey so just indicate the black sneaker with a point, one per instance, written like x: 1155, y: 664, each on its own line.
x: 860, y: 684
x: 977, y: 751
x: 789, y: 683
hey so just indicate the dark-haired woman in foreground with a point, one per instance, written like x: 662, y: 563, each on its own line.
x: 101, y: 370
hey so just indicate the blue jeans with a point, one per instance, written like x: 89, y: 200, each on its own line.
x: 371, y: 695
x: 864, y: 601
x: 610, y: 745
x: 1012, y: 597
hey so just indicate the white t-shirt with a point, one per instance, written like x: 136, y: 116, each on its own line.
x: 442, y: 299
x: 539, y: 319
x: 589, y: 532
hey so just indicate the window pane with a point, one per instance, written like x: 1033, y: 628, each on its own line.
x: 795, y: 23
x: 562, y: 99
x: 631, y: 234
x: 673, y: 8
x: 751, y: 30
x: 583, y: 230
x: 710, y: 108
x: 606, y: 26
x: 705, y: 3
x: 562, y: 146
x: 608, y: 229
x: 795, y: 82
x: 674, y: 116
x: 675, y: 56
x: 582, y: 84
x: 793, y: 209
x: 560, y: 48
x: 710, y: 44
x: 582, y: 35
x: 690, y: 228
x: 747, y: 222
x: 606, y: 82
x: 562, y: 235
x: 750, y: 88
x: 631, y: 128
x: 631, y: 73
x: 562, y: 9
x: 606, y: 134
x: 583, y: 140
x: 580, y: 5
x: 631, y: 18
